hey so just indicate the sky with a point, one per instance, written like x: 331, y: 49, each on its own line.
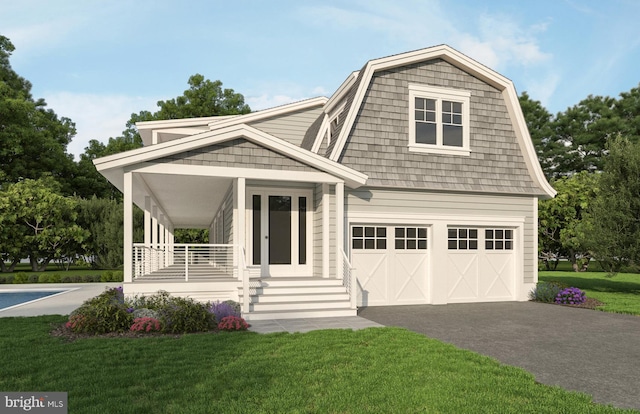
x: 97, y: 62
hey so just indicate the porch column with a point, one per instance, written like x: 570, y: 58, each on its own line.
x: 154, y: 227
x: 145, y: 256
x: 326, y: 249
x: 339, y: 228
x: 239, y: 218
x: 128, y: 227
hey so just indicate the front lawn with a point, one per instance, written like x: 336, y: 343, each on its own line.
x: 376, y: 370
x: 620, y: 293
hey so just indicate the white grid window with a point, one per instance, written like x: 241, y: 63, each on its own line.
x: 498, y: 239
x: 411, y: 238
x: 462, y: 239
x: 369, y: 238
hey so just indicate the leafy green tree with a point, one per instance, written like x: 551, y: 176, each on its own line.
x: 41, y: 221
x: 562, y: 221
x: 104, y: 220
x: 33, y: 140
x: 613, y: 234
x: 190, y: 236
x: 540, y: 124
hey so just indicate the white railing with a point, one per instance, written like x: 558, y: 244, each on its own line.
x: 188, y: 261
x: 349, y: 279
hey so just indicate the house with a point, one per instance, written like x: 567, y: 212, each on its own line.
x: 415, y: 183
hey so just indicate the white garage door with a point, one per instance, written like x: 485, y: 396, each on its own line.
x: 391, y: 264
x: 480, y: 264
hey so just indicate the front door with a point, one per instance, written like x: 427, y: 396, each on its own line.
x: 280, y: 232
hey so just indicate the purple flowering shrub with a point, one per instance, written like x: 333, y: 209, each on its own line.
x: 223, y: 309
x: 571, y: 296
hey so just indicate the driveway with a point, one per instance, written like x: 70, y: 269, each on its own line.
x: 577, y: 349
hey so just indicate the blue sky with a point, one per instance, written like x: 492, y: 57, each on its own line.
x: 97, y: 61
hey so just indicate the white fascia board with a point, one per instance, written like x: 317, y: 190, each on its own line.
x: 421, y: 218
x: 443, y: 51
x: 233, y: 172
x: 341, y: 91
x: 524, y: 139
x: 271, y: 112
x: 146, y: 128
x: 321, y: 134
x: 352, y: 177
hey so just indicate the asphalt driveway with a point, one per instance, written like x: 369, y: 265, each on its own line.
x: 577, y: 349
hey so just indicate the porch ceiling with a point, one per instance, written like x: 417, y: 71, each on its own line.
x: 189, y: 201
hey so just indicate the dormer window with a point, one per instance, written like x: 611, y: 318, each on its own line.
x: 439, y: 120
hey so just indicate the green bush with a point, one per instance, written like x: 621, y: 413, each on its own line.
x: 106, y: 312
x: 33, y: 278
x: 43, y: 278
x: 21, y: 277
x: 107, y: 276
x: 118, y: 276
x: 6, y: 279
x: 145, y: 313
x: 184, y: 315
x: 545, y: 292
x: 54, y: 278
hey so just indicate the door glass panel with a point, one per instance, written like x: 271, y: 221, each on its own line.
x: 302, y: 230
x: 279, y: 230
x: 257, y: 202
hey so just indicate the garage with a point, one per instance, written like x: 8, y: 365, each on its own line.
x: 481, y: 264
x: 392, y: 263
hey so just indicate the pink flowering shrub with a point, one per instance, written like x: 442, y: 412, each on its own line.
x: 145, y: 325
x: 233, y: 323
x: 79, y: 323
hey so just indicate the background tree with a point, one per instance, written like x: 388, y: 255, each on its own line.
x: 540, y: 124
x: 42, y: 221
x: 33, y: 140
x: 613, y: 233
x: 562, y: 221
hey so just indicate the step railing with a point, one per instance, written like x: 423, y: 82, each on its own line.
x: 349, y: 279
x: 183, y: 260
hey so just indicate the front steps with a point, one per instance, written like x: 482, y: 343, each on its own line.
x: 297, y: 297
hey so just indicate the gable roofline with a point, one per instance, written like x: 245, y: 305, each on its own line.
x: 130, y: 158
x: 146, y: 128
x: 342, y: 90
x: 466, y: 64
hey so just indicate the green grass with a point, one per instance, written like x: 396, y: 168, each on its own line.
x: 620, y: 293
x: 377, y: 370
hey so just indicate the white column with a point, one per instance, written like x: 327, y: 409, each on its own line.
x: 154, y: 226
x: 326, y: 245
x: 128, y: 227
x: 147, y: 221
x: 339, y: 227
x: 171, y: 243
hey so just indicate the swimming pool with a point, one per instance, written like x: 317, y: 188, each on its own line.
x: 13, y: 298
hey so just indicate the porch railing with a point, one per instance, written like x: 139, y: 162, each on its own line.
x: 349, y: 279
x: 188, y: 261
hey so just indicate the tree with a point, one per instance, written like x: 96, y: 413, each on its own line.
x: 33, y: 140
x: 562, y: 221
x: 41, y: 221
x: 614, y: 230
x: 540, y: 124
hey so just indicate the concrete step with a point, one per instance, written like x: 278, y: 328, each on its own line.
x: 300, y: 306
x: 299, y: 314
x: 299, y: 297
x: 293, y: 282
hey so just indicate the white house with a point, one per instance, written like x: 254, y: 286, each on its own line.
x: 415, y: 183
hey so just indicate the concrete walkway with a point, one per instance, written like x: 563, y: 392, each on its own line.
x: 65, y: 303
x: 583, y: 350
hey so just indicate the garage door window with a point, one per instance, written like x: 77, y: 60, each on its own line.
x: 463, y: 239
x: 498, y: 239
x: 369, y: 238
x: 411, y: 238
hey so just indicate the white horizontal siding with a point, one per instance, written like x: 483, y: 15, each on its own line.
x: 290, y: 127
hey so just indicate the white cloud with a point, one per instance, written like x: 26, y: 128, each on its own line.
x: 97, y: 117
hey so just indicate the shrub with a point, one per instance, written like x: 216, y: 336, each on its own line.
x: 80, y: 323
x: 66, y: 279
x: 6, y: 278
x: 106, y: 312
x: 146, y: 325
x: 544, y: 292
x: 43, y: 278
x: 21, y: 277
x: 156, y: 302
x: 571, y: 296
x: 117, y: 276
x: 233, y: 323
x: 107, y: 276
x: 184, y: 315
x: 223, y: 309
x: 33, y: 278
x: 54, y: 278
x: 145, y: 313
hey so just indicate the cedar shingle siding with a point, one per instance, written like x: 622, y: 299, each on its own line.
x: 238, y: 153
x: 378, y: 143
